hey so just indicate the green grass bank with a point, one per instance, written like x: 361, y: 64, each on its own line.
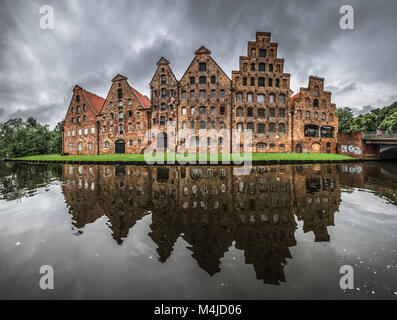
x: 140, y: 158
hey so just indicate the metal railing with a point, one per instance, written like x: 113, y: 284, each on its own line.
x: 380, y: 135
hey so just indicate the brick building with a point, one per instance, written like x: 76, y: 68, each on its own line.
x: 315, y: 122
x: 199, y: 111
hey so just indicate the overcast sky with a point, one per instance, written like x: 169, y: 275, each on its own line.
x: 93, y: 40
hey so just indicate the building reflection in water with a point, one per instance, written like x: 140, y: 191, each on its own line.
x: 210, y: 208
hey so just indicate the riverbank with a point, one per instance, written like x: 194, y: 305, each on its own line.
x: 192, y: 159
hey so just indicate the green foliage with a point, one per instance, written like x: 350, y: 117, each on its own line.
x: 27, y: 138
x: 380, y: 118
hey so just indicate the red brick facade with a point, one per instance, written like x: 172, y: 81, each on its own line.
x: 203, y: 106
x: 315, y: 122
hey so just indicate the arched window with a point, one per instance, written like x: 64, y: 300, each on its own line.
x: 192, y: 110
x: 307, y: 116
x: 272, y: 127
x: 331, y: 117
x: 78, y: 98
x: 78, y: 120
x: 111, y: 116
x: 162, y: 121
x: 239, y: 112
x: 184, y: 125
x: 281, y: 113
x: 203, y: 80
x: 203, y: 125
x: 261, y: 98
x: 307, y: 102
x: 277, y: 83
x: 80, y: 146
x: 239, y: 97
x: 261, y: 145
x: 261, y: 67
x: 203, y: 110
x: 261, y: 82
x: 281, y: 127
x: 315, y: 91
x: 120, y: 93
x: 261, y: 128
x: 191, y: 80
x: 250, y: 126
x: 162, y: 107
x: 239, y: 127
x: 282, y: 146
x: 192, y: 125
x: 84, y: 108
x: 85, y: 118
x: 323, y: 116
x: 249, y: 97
x: 271, y: 98
x: 261, y: 113
x: 272, y: 112
x: 163, y: 79
x: 129, y: 113
x: 315, y: 103
x: 281, y: 99
x: 183, y: 110
x: 270, y: 68
x: 250, y: 112
x: 316, y: 115
x: 213, y: 111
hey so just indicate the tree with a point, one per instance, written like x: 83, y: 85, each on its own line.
x: 345, y: 116
x: 24, y: 138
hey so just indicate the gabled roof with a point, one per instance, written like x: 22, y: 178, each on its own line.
x: 142, y: 99
x: 119, y: 77
x: 95, y: 101
x: 202, y: 50
x: 296, y: 96
x: 162, y: 61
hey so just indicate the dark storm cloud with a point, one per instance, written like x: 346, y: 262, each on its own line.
x: 94, y: 40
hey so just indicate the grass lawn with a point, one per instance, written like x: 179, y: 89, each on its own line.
x: 189, y: 157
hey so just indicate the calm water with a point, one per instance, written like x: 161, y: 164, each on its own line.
x: 198, y: 232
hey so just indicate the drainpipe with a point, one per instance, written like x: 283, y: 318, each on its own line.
x: 178, y: 92
x: 231, y: 114
x: 97, y: 135
x: 292, y: 128
x: 63, y: 137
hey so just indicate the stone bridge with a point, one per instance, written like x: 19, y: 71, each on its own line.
x: 385, y: 143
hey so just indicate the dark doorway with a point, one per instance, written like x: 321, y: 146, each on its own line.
x: 298, y: 148
x: 120, y: 146
x: 162, y: 141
